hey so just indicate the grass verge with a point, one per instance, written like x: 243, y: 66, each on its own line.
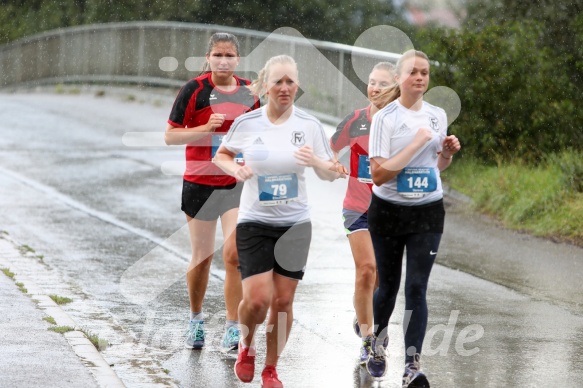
x: 7, y: 272
x: 61, y: 329
x: 538, y: 200
x: 60, y: 299
x: 25, y: 249
x: 21, y: 287
x: 99, y: 343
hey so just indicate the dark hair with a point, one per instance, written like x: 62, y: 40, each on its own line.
x: 214, y: 39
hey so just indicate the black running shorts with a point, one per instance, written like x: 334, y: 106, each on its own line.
x: 389, y: 219
x: 283, y: 249
x: 208, y: 203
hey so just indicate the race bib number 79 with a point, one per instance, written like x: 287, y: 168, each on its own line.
x: 277, y: 189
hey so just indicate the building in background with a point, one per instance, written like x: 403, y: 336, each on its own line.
x: 446, y: 13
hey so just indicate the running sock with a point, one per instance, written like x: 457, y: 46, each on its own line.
x: 229, y: 324
x: 196, y: 316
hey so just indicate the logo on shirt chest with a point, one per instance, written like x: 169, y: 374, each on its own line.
x: 434, y: 124
x: 298, y: 138
x: 402, y: 130
x: 363, y: 127
x: 212, y: 97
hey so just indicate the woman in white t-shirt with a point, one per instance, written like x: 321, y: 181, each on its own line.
x: 274, y: 230
x: 408, y: 147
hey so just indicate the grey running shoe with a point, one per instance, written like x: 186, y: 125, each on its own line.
x: 413, y: 377
x: 230, y: 339
x: 195, y: 335
x: 366, y: 349
x: 377, y: 360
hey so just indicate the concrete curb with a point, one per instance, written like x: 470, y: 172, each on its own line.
x: 80, y: 344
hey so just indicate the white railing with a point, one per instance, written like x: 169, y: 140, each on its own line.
x: 131, y: 53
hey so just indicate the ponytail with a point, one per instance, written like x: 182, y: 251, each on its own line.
x: 386, y: 96
x: 256, y: 86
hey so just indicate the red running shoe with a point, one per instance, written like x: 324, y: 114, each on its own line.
x: 245, y: 365
x: 269, y: 378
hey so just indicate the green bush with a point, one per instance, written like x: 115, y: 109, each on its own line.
x: 517, y: 97
x: 570, y: 167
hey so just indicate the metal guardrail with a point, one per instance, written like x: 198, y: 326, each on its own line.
x: 131, y: 53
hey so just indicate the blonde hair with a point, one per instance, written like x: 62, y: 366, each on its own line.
x: 385, y: 97
x: 388, y: 66
x: 257, y: 87
x: 390, y: 94
x: 410, y: 54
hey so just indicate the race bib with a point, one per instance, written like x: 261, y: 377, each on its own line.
x: 217, y: 139
x: 277, y: 189
x: 416, y: 182
x: 364, y: 175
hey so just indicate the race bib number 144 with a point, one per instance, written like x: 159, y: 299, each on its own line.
x: 416, y: 182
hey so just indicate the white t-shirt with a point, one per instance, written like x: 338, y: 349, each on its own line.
x: 268, y: 149
x: 392, y: 129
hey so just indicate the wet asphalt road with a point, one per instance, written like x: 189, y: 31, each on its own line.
x: 105, y: 214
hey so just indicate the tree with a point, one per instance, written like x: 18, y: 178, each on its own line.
x: 559, y: 19
x: 319, y: 19
x: 517, y: 99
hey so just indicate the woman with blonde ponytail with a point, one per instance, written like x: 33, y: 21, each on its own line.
x: 408, y: 147
x: 274, y: 230
x: 353, y: 132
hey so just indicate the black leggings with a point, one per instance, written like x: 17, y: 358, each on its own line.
x: 421, y: 253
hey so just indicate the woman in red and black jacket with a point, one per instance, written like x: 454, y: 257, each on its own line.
x: 203, y: 112
x: 353, y: 132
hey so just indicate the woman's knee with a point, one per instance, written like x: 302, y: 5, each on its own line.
x: 366, y: 275
x: 416, y: 291
x: 283, y: 303
x: 200, y: 263
x: 257, y: 304
x: 230, y: 255
x: 386, y: 293
x: 231, y: 259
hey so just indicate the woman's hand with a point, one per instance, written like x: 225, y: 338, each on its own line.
x: 422, y: 136
x: 451, y: 146
x: 340, y: 169
x: 225, y: 160
x: 215, y: 121
x: 243, y: 173
x: 305, y: 156
x: 327, y: 170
